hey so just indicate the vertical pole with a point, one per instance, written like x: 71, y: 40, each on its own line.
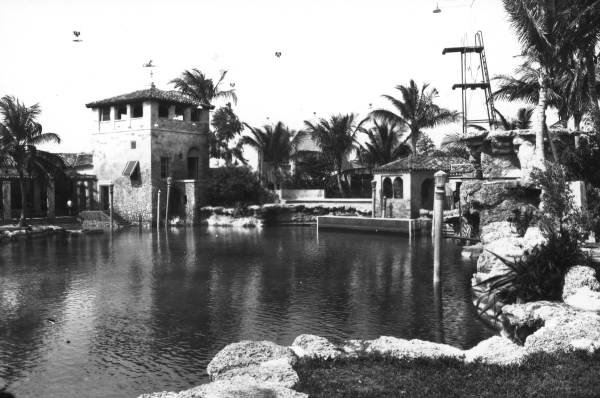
x: 384, y: 209
x: 110, y: 206
x: 51, y: 198
x: 158, y: 210
x: 438, y: 217
x: 169, y: 182
x: 373, y: 197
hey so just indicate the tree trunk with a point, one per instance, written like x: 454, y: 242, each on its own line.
x: 339, y: 181
x: 23, y: 219
x: 540, y: 125
x: 593, y: 94
x: 414, y: 138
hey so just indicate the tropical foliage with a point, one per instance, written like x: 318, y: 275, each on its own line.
x: 20, y: 134
x: 383, y: 144
x: 226, y: 128
x: 235, y: 186
x: 336, y: 137
x: 415, y: 110
x: 275, y: 146
x: 195, y: 84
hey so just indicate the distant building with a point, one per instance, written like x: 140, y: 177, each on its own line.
x: 142, y: 139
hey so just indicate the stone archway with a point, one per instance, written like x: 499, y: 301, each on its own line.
x: 388, y: 189
x: 398, y: 188
x: 193, y: 163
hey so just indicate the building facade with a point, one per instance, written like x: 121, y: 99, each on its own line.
x: 146, y: 143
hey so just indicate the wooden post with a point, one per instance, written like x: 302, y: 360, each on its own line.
x: 158, y: 210
x: 384, y: 207
x: 373, y: 197
x: 110, y: 206
x: 438, y: 218
x: 169, y: 182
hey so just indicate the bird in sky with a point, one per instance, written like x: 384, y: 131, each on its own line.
x: 148, y: 64
x: 76, y: 38
x: 278, y: 54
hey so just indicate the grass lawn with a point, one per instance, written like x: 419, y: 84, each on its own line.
x: 573, y: 375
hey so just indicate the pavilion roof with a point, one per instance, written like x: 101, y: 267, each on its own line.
x: 149, y: 94
x: 426, y: 163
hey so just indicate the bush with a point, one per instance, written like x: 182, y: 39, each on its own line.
x: 236, y: 186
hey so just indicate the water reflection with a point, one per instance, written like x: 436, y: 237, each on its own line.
x: 143, y: 311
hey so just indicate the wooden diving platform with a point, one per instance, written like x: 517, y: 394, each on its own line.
x: 463, y: 49
x: 472, y: 86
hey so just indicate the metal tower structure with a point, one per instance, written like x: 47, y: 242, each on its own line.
x: 465, y: 85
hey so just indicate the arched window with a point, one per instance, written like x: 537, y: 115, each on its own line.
x: 388, y: 190
x: 193, y: 163
x: 398, y: 188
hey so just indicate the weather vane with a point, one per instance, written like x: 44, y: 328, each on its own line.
x: 150, y: 65
x: 76, y: 38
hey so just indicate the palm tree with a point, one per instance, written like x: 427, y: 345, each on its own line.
x: 336, y: 138
x: 416, y: 110
x: 275, y: 146
x: 196, y: 85
x: 544, y: 35
x: 383, y: 144
x: 20, y: 134
x: 522, y: 120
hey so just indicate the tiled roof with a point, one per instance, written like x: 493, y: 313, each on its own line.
x: 152, y: 93
x: 423, y: 163
x: 76, y: 160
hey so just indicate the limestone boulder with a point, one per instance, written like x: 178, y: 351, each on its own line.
x: 578, y: 277
x: 249, y: 353
x: 521, y: 320
x: 577, y: 331
x: 584, y: 299
x: 533, y: 237
x: 496, y: 350
x: 239, y: 387
x: 497, y: 230
x: 308, y: 345
x: 274, y: 372
x: 402, y: 348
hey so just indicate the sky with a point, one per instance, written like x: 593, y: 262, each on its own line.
x: 337, y: 56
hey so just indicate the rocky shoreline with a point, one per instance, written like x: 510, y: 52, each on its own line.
x: 15, y: 233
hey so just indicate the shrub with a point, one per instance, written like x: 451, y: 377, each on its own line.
x: 522, y: 218
x: 236, y: 186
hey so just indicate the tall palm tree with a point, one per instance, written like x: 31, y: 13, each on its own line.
x: 416, y: 110
x: 275, y: 147
x: 196, y: 85
x: 336, y: 138
x: 522, y: 120
x: 383, y: 144
x: 542, y: 30
x: 20, y: 133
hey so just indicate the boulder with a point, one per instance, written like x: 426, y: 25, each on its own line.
x: 248, y: 353
x: 584, y: 299
x: 401, y: 348
x: 496, y: 350
x: 578, y: 277
x: 533, y: 237
x: 239, y: 387
x: 309, y: 345
x: 497, y: 230
x: 577, y: 331
x: 521, y: 320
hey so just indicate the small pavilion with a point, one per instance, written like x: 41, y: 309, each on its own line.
x: 405, y: 186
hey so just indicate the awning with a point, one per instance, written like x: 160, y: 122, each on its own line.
x: 130, y: 168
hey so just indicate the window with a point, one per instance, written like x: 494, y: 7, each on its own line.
x: 120, y: 112
x: 163, y: 110
x: 195, y: 114
x: 137, y: 109
x: 164, y: 167
x: 133, y: 144
x: 388, y: 191
x: 105, y: 113
x: 178, y: 112
x: 398, y: 188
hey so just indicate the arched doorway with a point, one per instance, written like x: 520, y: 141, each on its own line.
x: 398, y: 188
x: 427, y: 194
x: 388, y: 190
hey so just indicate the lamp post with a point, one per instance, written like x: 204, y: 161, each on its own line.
x: 169, y: 183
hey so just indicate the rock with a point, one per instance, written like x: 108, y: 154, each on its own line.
x: 584, y: 299
x: 533, y: 237
x: 216, y: 220
x: 580, y: 276
x: 401, y: 348
x: 273, y: 372
x: 578, y: 331
x: 521, y: 320
x: 496, y: 350
x: 239, y: 387
x: 308, y: 345
x: 247, y: 353
x: 497, y: 230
